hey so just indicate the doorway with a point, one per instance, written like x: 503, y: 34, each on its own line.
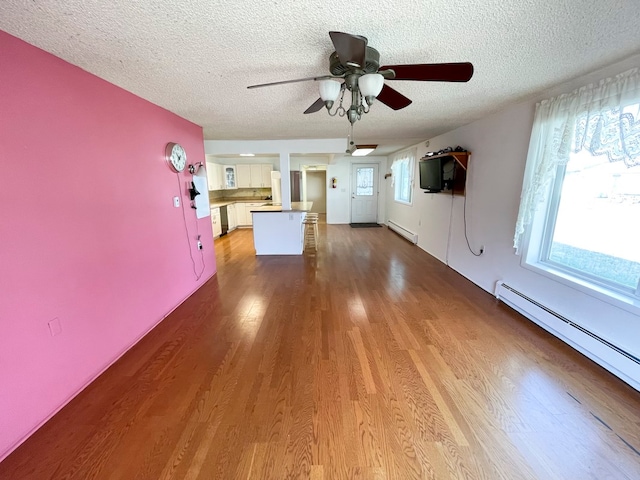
x: 364, y: 193
x: 316, y: 190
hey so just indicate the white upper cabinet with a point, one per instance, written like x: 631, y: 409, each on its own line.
x: 230, y: 176
x: 243, y: 176
x: 215, y: 178
x: 266, y: 175
x: 254, y: 175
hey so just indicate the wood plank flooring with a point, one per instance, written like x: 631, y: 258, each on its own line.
x: 367, y: 359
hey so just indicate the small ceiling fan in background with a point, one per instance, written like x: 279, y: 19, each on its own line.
x: 358, y: 65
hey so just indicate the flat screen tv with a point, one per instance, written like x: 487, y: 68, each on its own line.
x: 431, y: 175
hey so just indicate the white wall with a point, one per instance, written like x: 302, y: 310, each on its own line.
x: 317, y: 190
x: 339, y: 198
x: 297, y: 162
x: 499, y: 146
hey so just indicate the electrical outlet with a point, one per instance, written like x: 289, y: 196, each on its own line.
x: 176, y: 202
x: 199, y: 245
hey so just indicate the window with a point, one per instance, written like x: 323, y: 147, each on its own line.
x: 364, y: 181
x: 402, y: 177
x: 580, y: 204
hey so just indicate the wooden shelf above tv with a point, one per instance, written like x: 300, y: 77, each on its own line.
x: 461, y: 157
x: 460, y: 174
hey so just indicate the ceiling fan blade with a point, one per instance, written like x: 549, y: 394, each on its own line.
x: 317, y: 105
x: 351, y: 49
x: 392, y: 98
x: 433, y: 72
x: 308, y: 79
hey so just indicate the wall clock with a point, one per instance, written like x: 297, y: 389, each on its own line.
x: 176, y: 156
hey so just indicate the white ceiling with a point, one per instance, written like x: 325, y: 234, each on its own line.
x: 196, y: 57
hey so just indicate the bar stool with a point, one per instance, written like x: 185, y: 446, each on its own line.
x: 311, y: 230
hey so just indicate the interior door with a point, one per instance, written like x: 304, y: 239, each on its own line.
x: 364, y: 193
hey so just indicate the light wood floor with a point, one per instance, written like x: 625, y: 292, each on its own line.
x: 367, y: 359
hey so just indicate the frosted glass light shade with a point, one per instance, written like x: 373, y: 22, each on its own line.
x: 371, y: 84
x: 201, y: 171
x: 329, y: 90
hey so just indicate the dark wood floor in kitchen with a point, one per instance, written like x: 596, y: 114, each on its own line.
x: 365, y: 359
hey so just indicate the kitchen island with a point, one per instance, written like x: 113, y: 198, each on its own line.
x: 277, y: 231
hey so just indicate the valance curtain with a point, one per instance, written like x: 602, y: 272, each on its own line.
x: 403, y: 160
x: 602, y: 118
x: 402, y: 176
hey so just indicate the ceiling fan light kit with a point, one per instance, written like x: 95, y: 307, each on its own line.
x: 329, y: 90
x: 359, y: 67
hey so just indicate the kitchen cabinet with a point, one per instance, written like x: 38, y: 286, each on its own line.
x: 249, y: 207
x: 241, y: 214
x: 243, y: 173
x: 215, y: 176
x: 230, y: 179
x: 266, y: 175
x: 232, y: 217
x: 254, y: 175
x: 215, y: 222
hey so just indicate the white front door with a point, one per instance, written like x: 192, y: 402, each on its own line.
x: 364, y: 193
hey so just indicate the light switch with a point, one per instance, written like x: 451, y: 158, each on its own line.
x: 176, y: 202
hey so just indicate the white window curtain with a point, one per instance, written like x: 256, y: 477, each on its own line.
x: 597, y: 118
x: 402, y: 175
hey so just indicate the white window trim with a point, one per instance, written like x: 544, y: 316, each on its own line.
x: 551, y: 143
x: 409, y: 155
x: 534, y: 247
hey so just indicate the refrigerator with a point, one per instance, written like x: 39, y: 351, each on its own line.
x: 276, y: 188
x: 296, y: 179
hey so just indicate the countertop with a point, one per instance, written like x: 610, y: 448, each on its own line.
x: 295, y: 207
x: 222, y: 202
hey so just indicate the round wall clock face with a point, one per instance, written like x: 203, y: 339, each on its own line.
x: 176, y: 157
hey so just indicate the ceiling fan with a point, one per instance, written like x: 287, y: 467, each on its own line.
x: 358, y: 65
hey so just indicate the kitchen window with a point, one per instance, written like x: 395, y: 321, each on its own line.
x: 402, y: 177
x: 580, y: 204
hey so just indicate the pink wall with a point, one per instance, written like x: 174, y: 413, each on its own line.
x: 88, y: 230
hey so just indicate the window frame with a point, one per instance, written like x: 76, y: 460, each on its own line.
x: 410, y: 158
x: 537, y: 247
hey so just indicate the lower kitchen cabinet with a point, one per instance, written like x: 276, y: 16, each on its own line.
x: 232, y: 216
x: 241, y: 214
x: 216, y: 222
x: 249, y: 207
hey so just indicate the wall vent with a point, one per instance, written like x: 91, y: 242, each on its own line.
x: 400, y: 230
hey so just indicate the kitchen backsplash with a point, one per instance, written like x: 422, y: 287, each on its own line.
x: 259, y: 193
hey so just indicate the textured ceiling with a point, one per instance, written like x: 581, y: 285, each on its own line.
x: 196, y: 57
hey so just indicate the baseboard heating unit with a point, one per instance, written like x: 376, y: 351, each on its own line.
x: 623, y: 364
x: 400, y: 230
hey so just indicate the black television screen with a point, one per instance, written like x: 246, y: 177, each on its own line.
x: 431, y: 175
